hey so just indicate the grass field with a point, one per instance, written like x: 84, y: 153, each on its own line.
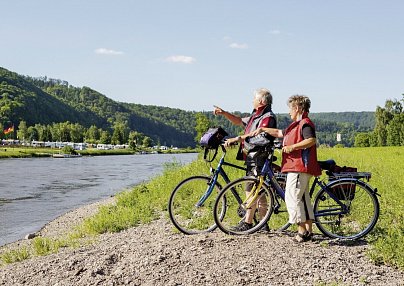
x: 146, y: 202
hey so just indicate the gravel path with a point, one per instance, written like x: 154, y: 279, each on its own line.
x: 154, y: 254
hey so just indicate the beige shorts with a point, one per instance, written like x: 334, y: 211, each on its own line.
x: 297, y: 198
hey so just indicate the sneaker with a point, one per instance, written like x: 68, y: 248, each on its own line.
x: 242, y: 226
x: 265, y: 227
x: 299, y: 238
x: 307, y: 236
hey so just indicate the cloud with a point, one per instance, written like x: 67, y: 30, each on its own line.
x: 238, y: 46
x: 103, y: 51
x: 180, y: 59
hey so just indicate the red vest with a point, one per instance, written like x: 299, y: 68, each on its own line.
x: 301, y: 160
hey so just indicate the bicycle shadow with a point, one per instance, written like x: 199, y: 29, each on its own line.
x: 321, y: 239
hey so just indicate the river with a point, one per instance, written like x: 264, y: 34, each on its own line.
x: 34, y: 191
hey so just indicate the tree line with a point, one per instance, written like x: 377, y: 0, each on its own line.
x: 389, y: 128
x: 74, y: 132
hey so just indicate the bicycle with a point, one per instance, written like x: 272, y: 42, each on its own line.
x: 345, y: 206
x: 191, y: 201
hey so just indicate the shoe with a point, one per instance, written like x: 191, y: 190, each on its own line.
x: 299, y: 238
x: 265, y: 227
x: 242, y: 226
x: 306, y: 236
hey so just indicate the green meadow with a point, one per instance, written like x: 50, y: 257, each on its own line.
x: 148, y: 201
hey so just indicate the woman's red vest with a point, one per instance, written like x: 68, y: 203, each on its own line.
x: 301, y: 160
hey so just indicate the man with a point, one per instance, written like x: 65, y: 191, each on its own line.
x: 261, y: 117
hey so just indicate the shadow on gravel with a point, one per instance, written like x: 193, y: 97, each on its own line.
x: 321, y: 239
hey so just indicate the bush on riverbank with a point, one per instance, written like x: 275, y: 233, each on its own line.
x: 147, y: 201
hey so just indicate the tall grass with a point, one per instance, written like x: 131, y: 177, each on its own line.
x: 386, y: 165
x: 148, y: 201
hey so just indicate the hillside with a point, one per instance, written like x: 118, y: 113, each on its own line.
x: 45, y: 101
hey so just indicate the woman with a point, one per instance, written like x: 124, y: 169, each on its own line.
x: 299, y: 161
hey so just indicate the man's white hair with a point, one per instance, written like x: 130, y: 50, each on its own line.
x: 264, y: 95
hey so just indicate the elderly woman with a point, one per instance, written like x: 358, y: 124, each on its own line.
x: 299, y: 161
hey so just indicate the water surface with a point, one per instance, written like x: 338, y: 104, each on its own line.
x: 34, y: 191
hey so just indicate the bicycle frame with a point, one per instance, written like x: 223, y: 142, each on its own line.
x: 219, y: 171
x: 341, y: 209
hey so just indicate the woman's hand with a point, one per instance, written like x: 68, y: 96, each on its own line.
x: 288, y: 149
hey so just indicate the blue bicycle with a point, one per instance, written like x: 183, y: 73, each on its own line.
x: 191, y: 202
x: 345, y: 206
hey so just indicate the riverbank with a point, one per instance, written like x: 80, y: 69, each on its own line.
x: 154, y: 254
x: 27, y: 152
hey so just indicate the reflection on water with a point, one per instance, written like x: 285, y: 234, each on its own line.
x: 34, y: 191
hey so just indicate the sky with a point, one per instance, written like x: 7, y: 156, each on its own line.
x: 344, y: 55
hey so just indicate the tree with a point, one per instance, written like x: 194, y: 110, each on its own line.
x: 32, y: 133
x: 362, y: 139
x: 395, y: 131
x: 147, y: 142
x: 92, y: 134
x: 135, y: 139
x: 76, y: 132
x: 389, y: 123
x: 120, y: 134
x: 105, y: 138
x: 202, y: 124
x: 22, y: 132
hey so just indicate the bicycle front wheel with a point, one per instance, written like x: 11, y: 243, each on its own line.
x: 238, y: 207
x: 346, y: 209
x: 191, y: 206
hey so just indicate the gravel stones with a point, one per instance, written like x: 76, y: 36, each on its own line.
x: 155, y: 254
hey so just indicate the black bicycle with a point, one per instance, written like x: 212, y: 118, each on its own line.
x: 345, y: 206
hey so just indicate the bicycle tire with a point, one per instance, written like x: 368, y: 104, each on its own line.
x: 230, y: 199
x: 184, y: 214
x: 362, y: 209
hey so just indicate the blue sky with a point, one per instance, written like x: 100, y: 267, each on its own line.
x: 345, y: 55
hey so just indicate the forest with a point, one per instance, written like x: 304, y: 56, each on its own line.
x: 47, y: 109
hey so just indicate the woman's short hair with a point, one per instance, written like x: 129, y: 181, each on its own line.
x: 264, y: 95
x: 301, y: 101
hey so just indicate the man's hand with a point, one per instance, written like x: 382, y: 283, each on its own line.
x: 231, y: 141
x: 256, y: 132
x: 217, y: 110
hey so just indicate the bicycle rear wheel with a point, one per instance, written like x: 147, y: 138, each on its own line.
x: 232, y: 200
x: 357, y: 215
x: 185, y: 213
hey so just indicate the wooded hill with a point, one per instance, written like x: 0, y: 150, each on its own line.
x: 46, y: 101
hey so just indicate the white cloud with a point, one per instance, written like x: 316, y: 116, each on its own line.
x: 275, y: 32
x: 238, y: 46
x: 103, y: 51
x: 180, y: 59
